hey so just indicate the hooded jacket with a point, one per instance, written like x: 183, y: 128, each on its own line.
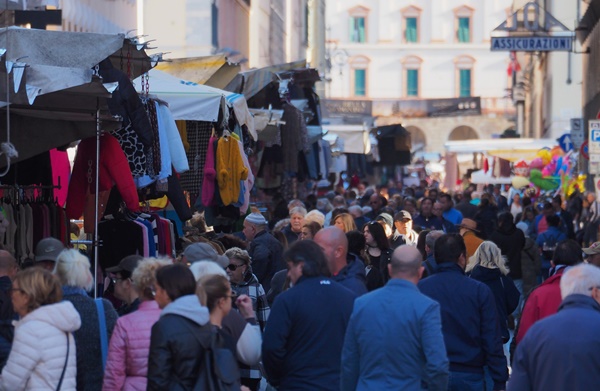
x: 352, y: 276
x: 127, y: 363
x: 175, y: 351
x: 511, y: 241
x: 39, y: 350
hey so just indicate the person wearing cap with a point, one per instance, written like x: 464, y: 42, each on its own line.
x: 404, y: 234
x: 266, y: 251
x: 46, y: 252
x: 369, y: 360
x: 593, y: 254
x: 203, y: 252
x: 468, y: 230
x: 123, y: 285
x: 387, y: 222
x: 469, y: 319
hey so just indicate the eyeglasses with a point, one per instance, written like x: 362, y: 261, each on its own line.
x: 233, y: 267
x: 114, y: 280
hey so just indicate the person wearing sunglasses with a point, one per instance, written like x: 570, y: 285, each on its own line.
x: 244, y: 282
x: 122, y: 283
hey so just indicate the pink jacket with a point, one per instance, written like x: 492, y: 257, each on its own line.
x: 127, y: 363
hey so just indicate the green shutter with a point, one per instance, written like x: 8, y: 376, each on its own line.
x: 360, y: 82
x: 465, y: 82
x: 357, y: 30
x: 464, y: 34
x: 412, y: 82
x: 361, y: 30
x: 411, y: 30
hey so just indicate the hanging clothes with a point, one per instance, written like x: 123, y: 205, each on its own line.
x: 210, y: 175
x: 114, y: 169
x: 230, y: 169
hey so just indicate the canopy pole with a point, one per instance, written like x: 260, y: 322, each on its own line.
x: 97, y: 189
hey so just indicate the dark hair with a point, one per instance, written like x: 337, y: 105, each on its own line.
x: 421, y: 242
x: 313, y: 227
x: 211, y: 288
x: 525, y: 202
x: 311, y: 255
x: 553, y: 220
x: 424, y: 199
x: 229, y: 241
x: 337, y: 211
x: 506, y: 220
x: 567, y: 252
x: 356, y: 242
x: 448, y: 248
x: 446, y: 196
x: 177, y: 280
x: 378, y: 233
x: 548, y: 206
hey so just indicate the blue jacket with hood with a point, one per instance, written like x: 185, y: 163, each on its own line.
x: 352, y: 276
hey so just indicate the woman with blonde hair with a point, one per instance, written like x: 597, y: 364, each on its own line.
x: 488, y: 265
x: 345, y: 222
x: 127, y: 363
x: 73, y: 271
x: 43, y: 353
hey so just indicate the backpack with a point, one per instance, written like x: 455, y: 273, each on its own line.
x: 219, y: 369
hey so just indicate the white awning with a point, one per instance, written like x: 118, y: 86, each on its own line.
x: 355, y: 137
x: 512, y: 149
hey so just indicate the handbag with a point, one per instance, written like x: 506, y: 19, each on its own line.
x: 62, y: 375
x: 103, y: 334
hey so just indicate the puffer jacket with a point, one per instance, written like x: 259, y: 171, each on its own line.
x: 127, y: 363
x: 39, y: 350
x: 175, y: 351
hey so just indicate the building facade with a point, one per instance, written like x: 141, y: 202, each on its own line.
x: 99, y: 16
x: 394, y: 52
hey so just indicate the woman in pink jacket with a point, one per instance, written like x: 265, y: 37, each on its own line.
x: 127, y: 362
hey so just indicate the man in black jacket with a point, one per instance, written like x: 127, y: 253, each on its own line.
x: 265, y: 251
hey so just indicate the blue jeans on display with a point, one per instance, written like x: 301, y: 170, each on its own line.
x: 464, y: 381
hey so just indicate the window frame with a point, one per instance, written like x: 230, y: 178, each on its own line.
x: 463, y: 63
x: 411, y: 63
x: 411, y: 11
x: 354, y: 13
x: 463, y: 12
x: 359, y: 63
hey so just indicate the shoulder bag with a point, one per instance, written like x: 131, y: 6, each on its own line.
x: 103, y: 334
x: 62, y: 375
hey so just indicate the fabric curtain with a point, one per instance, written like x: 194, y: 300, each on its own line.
x: 412, y: 82
x: 463, y: 30
x: 411, y: 30
x: 465, y: 82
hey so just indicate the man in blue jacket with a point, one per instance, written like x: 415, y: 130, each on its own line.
x: 345, y: 268
x: 304, y: 335
x: 562, y: 351
x: 394, y: 340
x: 469, y: 320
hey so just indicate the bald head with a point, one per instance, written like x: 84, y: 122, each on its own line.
x: 8, y: 264
x: 334, y: 244
x: 406, y: 263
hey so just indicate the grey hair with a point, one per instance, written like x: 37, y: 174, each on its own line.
x: 432, y: 237
x: 316, y: 216
x: 238, y: 253
x: 298, y: 210
x: 488, y: 255
x: 73, y: 269
x: 357, y: 209
x: 206, y: 268
x: 579, y: 280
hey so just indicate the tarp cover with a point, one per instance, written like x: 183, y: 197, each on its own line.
x: 196, y: 102
x: 215, y: 71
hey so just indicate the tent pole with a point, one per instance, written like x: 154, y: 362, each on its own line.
x: 97, y: 192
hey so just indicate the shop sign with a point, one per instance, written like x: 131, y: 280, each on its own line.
x: 531, y: 29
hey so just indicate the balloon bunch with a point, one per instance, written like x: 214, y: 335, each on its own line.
x: 549, y: 169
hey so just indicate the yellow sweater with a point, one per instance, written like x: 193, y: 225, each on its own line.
x: 230, y: 170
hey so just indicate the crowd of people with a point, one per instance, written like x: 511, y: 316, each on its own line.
x: 369, y: 288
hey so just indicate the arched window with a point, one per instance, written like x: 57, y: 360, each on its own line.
x: 359, y: 17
